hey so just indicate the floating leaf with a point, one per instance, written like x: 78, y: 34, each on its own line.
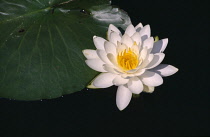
x: 41, y: 45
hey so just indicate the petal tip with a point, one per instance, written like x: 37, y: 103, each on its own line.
x: 139, y: 25
x: 111, y: 25
x: 123, y: 97
x: 121, y: 109
x: 165, y: 40
x: 131, y: 25
x: 175, y: 70
x: 91, y: 86
x: 147, y: 25
x: 83, y: 51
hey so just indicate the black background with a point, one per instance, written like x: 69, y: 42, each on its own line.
x: 180, y: 107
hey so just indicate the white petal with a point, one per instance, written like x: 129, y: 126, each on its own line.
x: 112, y: 59
x: 148, y: 59
x: 135, y: 48
x: 104, y: 80
x: 110, y: 48
x: 111, y: 29
x: 137, y: 38
x: 151, y: 79
x: 95, y: 64
x: 127, y: 40
x: 145, y: 32
x: 91, y: 86
x: 159, y: 46
x: 130, y: 30
x: 90, y: 54
x: 103, y: 56
x: 132, y: 70
x: 148, y: 43
x: 123, y: 97
x: 148, y: 89
x: 111, y: 69
x: 143, y: 54
x: 165, y: 70
x: 139, y: 72
x: 127, y: 76
x: 99, y: 42
x: 121, y: 47
x: 157, y: 59
x: 120, y: 81
x: 135, y: 85
x: 139, y: 27
x: 136, y: 71
x: 114, y: 37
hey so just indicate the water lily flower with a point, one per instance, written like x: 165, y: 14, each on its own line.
x: 130, y: 61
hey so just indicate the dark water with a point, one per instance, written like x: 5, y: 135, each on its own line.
x: 181, y: 106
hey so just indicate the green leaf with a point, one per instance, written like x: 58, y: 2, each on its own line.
x: 41, y: 45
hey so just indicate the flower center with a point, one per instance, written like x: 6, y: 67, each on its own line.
x: 127, y: 59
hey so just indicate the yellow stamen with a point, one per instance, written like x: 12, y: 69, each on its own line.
x: 127, y: 59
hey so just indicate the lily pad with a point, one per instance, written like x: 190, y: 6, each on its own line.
x: 41, y: 45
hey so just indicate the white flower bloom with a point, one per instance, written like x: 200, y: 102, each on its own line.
x: 130, y: 61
